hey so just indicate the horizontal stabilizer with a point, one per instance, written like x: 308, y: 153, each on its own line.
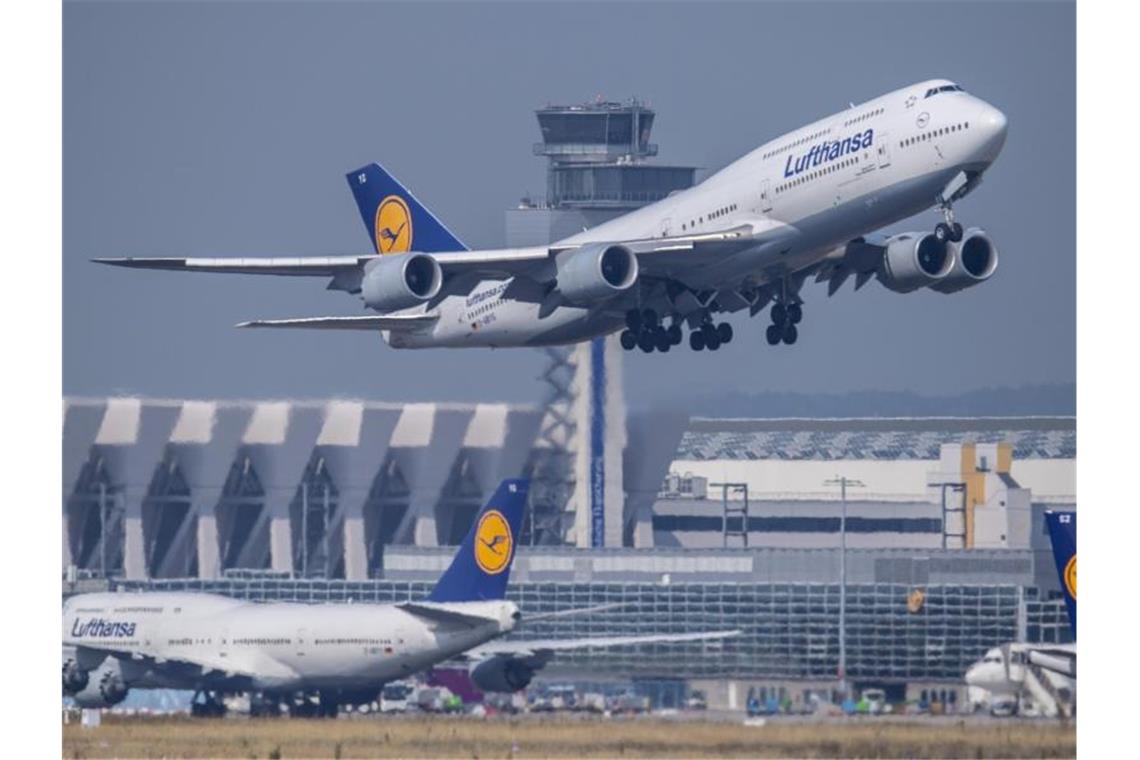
x: 442, y: 614
x: 370, y: 322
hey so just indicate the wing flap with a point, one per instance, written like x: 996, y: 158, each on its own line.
x: 398, y: 322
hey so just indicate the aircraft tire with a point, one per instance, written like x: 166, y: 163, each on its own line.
x: 645, y: 342
x: 675, y: 335
x: 774, y: 334
x: 633, y: 320
x: 697, y: 340
x: 956, y: 232
x: 628, y: 340
x: 663, y: 340
x: 790, y: 334
x: 724, y: 332
x: 942, y: 232
x: 649, y: 319
x: 779, y: 314
x: 795, y: 314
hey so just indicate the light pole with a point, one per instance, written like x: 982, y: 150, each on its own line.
x: 843, y: 482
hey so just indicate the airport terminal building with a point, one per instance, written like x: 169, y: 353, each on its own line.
x: 723, y: 524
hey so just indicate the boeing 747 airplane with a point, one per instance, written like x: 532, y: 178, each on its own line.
x: 345, y: 653
x: 801, y: 206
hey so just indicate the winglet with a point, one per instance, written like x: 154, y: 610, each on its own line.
x: 482, y: 565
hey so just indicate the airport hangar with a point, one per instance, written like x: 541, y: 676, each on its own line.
x: 333, y: 500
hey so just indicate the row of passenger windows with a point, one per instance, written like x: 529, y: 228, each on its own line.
x: 863, y: 117
x: 934, y: 133
x: 828, y: 169
x: 712, y: 215
x: 800, y: 141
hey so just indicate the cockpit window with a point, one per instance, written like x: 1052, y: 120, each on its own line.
x: 943, y: 88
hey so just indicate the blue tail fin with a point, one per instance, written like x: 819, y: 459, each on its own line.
x: 482, y: 565
x: 395, y: 220
x: 1063, y: 533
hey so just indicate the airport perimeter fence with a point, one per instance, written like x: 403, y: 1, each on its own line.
x: 894, y: 632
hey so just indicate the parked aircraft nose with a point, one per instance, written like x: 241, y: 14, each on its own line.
x: 992, y: 125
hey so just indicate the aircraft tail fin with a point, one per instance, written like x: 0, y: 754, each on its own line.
x: 482, y: 566
x: 396, y: 221
x: 1063, y: 534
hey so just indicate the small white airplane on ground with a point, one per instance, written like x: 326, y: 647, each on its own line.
x: 1047, y: 672
x: 114, y: 642
x: 796, y: 207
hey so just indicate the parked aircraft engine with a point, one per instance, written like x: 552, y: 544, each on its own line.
x: 502, y: 673
x: 596, y: 272
x: 398, y: 281
x: 105, y: 686
x: 74, y: 678
x: 975, y: 261
x: 914, y: 260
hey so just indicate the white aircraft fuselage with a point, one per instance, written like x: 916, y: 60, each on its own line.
x: 274, y: 647
x: 820, y: 186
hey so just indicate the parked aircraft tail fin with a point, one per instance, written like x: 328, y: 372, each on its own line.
x: 482, y: 565
x: 1063, y: 533
x: 396, y: 221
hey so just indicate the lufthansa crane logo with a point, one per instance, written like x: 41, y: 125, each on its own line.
x: 393, y: 226
x: 493, y: 542
x: 1071, y: 576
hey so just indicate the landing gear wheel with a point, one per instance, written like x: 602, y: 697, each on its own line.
x: 724, y: 332
x: 645, y: 342
x: 956, y: 232
x: 633, y: 320
x: 795, y: 314
x: 675, y: 335
x: 779, y: 314
x: 662, y: 340
x: 697, y: 340
x: 712, y: 340
x: 942, y: 232
x: 649, y: 319
x: 774, y: 334
x: 628, y: 340
x: 790, y: 334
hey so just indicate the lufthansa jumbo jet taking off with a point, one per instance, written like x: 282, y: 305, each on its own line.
x: 800, y: 206
x: 345, y: 653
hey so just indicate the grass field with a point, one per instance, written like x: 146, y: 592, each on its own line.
x: 508, y: 737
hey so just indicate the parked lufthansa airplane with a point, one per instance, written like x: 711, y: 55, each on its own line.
x: 114, y: 642
x: 799, y: 206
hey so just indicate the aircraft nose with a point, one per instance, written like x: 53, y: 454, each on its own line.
x: 993, y: 126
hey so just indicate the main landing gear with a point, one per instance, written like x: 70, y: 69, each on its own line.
x: 645, y: 331
x: 948, y: 230
x: 786, y: 314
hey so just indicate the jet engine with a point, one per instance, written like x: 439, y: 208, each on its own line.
x: 502, y: 673
x: 104, y: 687
x: 914, y: 260
x: 975, y: 262
x: 398, y: 281
x: 596, y: 272
x: 74, y: 678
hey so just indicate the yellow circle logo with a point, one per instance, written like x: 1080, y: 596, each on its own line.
x: 493, y: 542
x: 1071, y: 576
x: 393, y: 225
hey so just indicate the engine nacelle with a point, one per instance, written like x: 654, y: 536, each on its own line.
x: 398, y: 281
x: 75, y: 679
x: 502, y: 673
x: 105, y: 686
x: 596, y: 272
x: 975, y: 261
x: 913, y: 260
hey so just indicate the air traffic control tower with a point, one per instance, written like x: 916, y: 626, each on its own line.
x: 597, y: 169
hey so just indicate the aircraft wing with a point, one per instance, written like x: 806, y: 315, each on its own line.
x: 546, y: 646
x: 666, y: 256
x: 367, y: 322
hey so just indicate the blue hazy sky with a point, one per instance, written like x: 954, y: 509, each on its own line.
x: 226, y: 129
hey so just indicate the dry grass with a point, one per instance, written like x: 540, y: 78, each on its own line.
x: 505, y: 738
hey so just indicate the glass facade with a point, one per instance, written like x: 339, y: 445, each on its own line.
x: 789, y: 631
x: 622, y: 184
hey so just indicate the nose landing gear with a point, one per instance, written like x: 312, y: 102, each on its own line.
x: 948, y: 230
